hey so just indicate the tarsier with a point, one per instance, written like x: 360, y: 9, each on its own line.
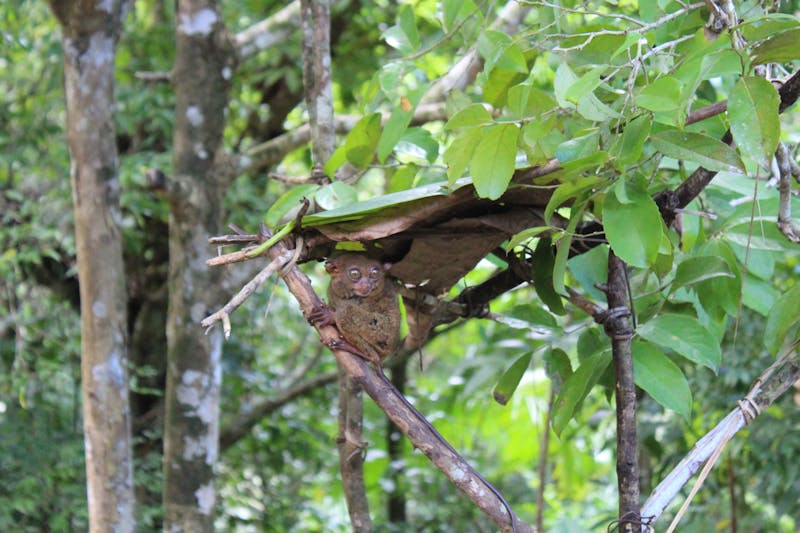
x: 362, y: 303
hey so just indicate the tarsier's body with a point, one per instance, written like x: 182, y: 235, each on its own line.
x: 363, y: 304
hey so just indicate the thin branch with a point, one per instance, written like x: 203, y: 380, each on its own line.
x: 241, y: 426
x: 268, y: 33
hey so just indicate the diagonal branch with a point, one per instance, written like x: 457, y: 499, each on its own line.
x: 418, y: 430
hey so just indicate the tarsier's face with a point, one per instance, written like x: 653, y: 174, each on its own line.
x: 365, y: 278
x: 356, y: 275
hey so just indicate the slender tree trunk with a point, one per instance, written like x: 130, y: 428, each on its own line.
x: 91, y: 32
x: 201, y: 77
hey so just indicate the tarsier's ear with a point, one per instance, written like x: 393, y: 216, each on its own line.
x: 331, y: 266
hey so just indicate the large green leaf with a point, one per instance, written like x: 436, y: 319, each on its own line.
x: 663, y: 94
x: 628, y: 147
x: 510, y: 379
x: 472, y: 115
x: 685, y: 335
x: 459, y: 153
x: 287, y: 202
x: 707, y: 151
x: 778, y: 48
x: 632, y: 224
x: 782, y: 319
x: 585, y: 84
x: 358, y: 210
x: 753, y: 115
x: 660, y: 377
x: 404, y: 35
x: 492, y: 163
x: 576, y: 387
x: 398, y: 122
x: 696, y: 269
x: 362, y: 140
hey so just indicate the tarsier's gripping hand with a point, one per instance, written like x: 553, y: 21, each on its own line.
x: 363, y: 305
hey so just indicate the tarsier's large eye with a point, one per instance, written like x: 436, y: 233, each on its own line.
x: 354, y: 274
x: 374, y: 273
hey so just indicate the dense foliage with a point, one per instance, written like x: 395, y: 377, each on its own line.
x: 605, y: 87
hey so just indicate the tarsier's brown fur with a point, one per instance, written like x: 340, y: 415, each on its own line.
x: 364, y: 304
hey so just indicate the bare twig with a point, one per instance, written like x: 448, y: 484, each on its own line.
x: 223, y: 315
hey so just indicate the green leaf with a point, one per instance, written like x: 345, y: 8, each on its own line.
x: 696, y: 269
x: 423, y: 139
x: 589, y: 106
x: 633, y: 228
x: 591, y: 270
x: 660, y: 377
x: 398, y: 122
x: 289, y: 200
x: 335, y: 195
x: 362, y: 140
x: 753, y: 116
x: 628, y: 147
x: 509, y: 381
x: 402, y: 178
x: 543, y: 264
x: 557, y: 367
x: 779, y: 48
x: 585, y: 84
x: 577, y: 387
x: 404, y: 35
x: 492, y: 164
x: 336, y: 160
x: 472, y: 115
x: 568, y: 190
x: 661, y: 95
x: 707, y: 151
x: 458, y: 155
x: 359, y: 210
x: 578, y: 147
x: 782, y: 318
x: 685, y: 335
x: 526, y: 235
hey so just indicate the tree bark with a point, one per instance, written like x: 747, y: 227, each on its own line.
x: 90, y: 35
x: 202, y: 73
x: 619, y: 329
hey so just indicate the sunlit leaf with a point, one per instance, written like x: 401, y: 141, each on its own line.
x: 362, y: 140
x: 492, y: 163
x: 287, y: 202
x: 633, y: 228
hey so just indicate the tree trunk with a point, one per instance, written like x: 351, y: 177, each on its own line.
x: 90, y: 34
x: 201, y: 77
